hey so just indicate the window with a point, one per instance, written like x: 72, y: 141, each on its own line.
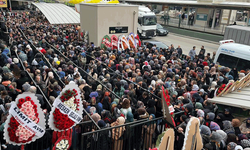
x: 243, y: 64
x: 159, y: 26
x: 228, y: 61
x: 233, y: 62
x: 139, y: 20
x: 149, y: 20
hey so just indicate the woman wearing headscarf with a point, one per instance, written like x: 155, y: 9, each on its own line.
x: 117, y: 133
x: 106, y: 103
x: 103, y: 139
x: 231, y: 146
x: 149, y: 130
x: 236, y: 124
x: 224, y: 139
x: 245, y: 127
x: 228, y: 115
x: 215, y: 139
x: 228, y: 127
x: 209, y: 117
x: 119, y: 90
x: 219, y: 118
x: 151, y: 107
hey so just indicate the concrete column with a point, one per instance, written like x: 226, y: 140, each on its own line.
x: 195, y: 15
x: 164, y: 15
x: 221, y: 14
x: 188, y: 9
x: 10, y: 5
x: 214, y: 19
x: 229, y: 17
x: 168, y: 19
x: 248, y: 15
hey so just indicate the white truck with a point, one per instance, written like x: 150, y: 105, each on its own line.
x: 146, y: 22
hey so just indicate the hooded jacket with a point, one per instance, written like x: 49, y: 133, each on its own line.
x: 151, y: 107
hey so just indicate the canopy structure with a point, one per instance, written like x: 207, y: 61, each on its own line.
x: 57, y: 13
x: 236, y: 95
x: 196, y: 3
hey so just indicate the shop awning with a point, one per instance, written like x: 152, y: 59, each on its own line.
x: 57, y: 13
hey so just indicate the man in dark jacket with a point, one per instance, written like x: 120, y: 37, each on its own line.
x: 202, y: 53
x: 30, y: 54
x: 179, y: 51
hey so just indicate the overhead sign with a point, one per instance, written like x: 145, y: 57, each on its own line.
x: 115, y: 30
x: 3, y: 3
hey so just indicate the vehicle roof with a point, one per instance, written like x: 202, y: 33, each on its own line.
x: 152, y: 41
x: 236, y: 46
x: 235, y: 49
x: 144, y: 8
x: 238, y: 27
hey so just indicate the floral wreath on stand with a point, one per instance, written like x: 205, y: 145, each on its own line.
x: 65, y: 114
x: 67, y: 109
x: 26, y: 121
x: 170, y: 107
x: 62, y: 121
x: 222, y: 87
x: 62, y: 140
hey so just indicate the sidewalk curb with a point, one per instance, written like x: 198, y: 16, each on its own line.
x: 203, y: 40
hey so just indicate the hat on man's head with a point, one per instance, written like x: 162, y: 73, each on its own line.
x: 15, y: 60
x: 26, y: 87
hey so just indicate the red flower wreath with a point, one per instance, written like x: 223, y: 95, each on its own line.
x: 14, y: 129
x: 62, y: 121
x: 222, y: 87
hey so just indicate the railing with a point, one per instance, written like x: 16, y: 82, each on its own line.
x: 121, y: 75
x: 46, y: 141
x: 82, y: 71
x: 39, y: 90
x: 130, y: 136
x: 63, y: 85
x: 203, y: 27
x: 36, y: 51
x: 138, y: 135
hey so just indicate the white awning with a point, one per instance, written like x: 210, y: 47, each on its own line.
x: 194, y: 3
x: 57, y: 13
x: 239, y: 99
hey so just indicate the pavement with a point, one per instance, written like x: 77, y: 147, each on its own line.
x: 187, y: 43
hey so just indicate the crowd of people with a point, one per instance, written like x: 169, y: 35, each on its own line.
x: 119, y: 86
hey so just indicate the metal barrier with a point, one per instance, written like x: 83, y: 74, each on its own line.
x: 138, y: 135
x: 39, y: 90
x: 130, y: 136
x: 46, y: 141
x: 60, y: 82
x: 82, y: 72
x: 33, y: 47
x: 121, y: 75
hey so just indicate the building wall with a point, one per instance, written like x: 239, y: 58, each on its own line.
x: 88, y: 21
x: 116, y: 16
x: 97, y: 18
x: 202, y: 12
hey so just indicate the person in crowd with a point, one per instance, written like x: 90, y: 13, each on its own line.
x: 117, y: 133
x: 192, y: 53
x: 149, y: 130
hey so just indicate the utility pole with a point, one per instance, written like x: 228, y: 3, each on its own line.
x: 10, y: 5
